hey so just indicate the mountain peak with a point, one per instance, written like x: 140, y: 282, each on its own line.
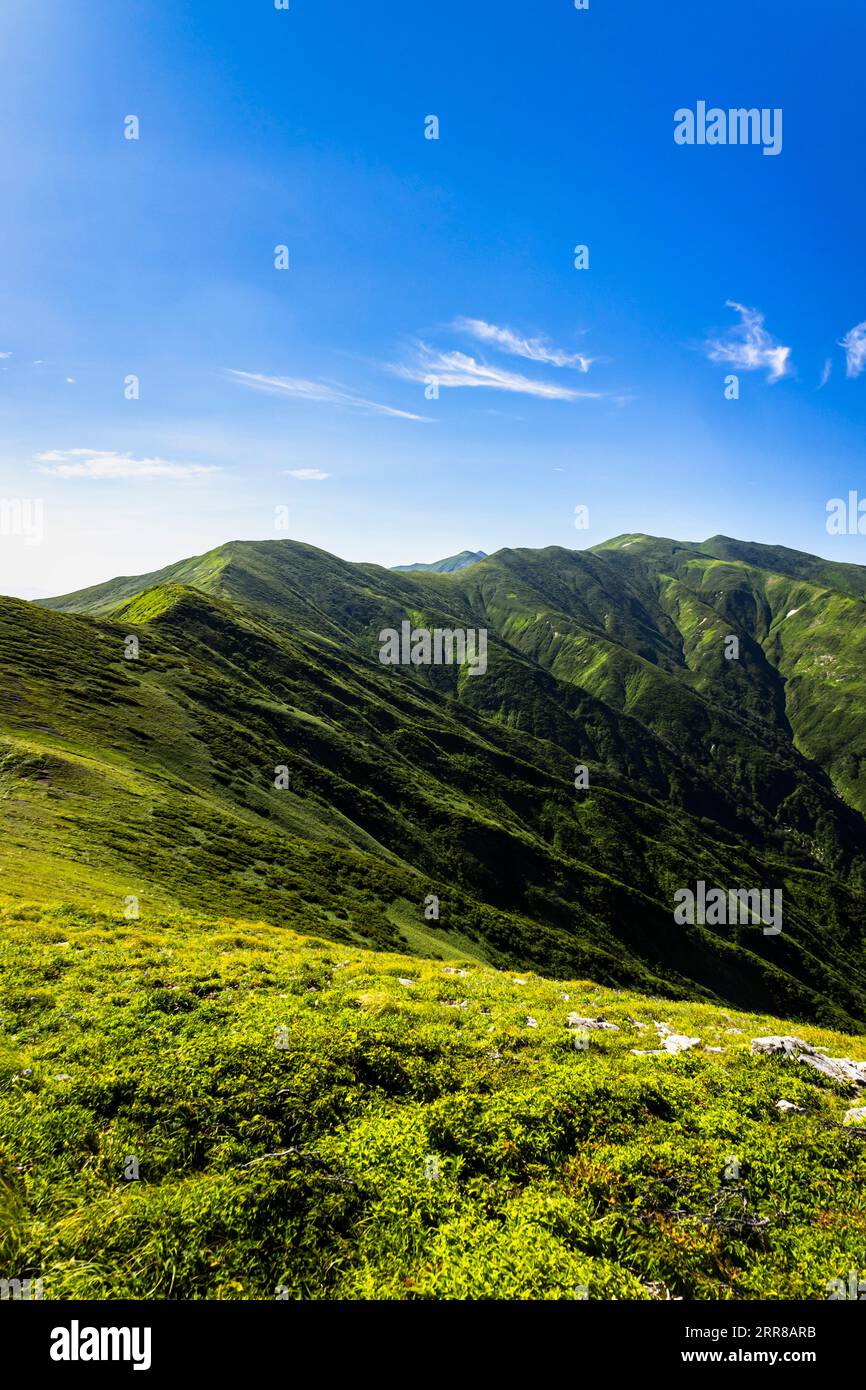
x: 448, y: 565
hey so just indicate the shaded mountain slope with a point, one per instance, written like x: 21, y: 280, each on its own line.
x: 409, y: 782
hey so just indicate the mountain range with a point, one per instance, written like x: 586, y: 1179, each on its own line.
x: 446, y: 566
x: 221, y: 735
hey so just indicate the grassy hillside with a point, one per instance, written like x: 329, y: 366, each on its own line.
x: 241, y: 1059
x: 405, y: 783
x: 155, y: 778
x: 803, y: 621
x: 328, y: 1122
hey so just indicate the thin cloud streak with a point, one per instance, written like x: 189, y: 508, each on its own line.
x: 107, y: 464
x: 297, y: 388
x: 458, y: 369
x: 534, y: 349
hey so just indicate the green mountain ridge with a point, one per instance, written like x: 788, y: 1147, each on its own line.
x: 448, y: 565
x: 155, y: 776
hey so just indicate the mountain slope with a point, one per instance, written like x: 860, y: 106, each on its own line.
x: 321, y: 1122
x: 407, y: 783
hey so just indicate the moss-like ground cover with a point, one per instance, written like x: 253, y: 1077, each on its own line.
x: 321, y: 1121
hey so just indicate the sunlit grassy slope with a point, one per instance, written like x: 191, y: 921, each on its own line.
x: 313, y: 1120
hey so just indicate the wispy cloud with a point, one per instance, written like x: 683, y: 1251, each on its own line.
x: 92, y: 463
x: 535, y: 349
x: 299, y: 389
x: 5, y: 354
x: 854, y: 344
x: 456, y: 369
x: 306, y: 475
x: 750, y: 347
x: 825, y: 373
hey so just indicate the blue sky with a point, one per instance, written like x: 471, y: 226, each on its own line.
x: 412, y: 257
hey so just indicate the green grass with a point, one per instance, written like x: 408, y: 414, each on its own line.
x: 313, y: 1166
x: 413, y: 1136
x: 158, y: 773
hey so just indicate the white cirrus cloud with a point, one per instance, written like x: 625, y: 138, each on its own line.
x: 825, y: 373
x: 306, y: 475
x: 300, y: 389
x: 854, y: 344
x: 5, y: 354
x: 97, y: 463
x: 750, y: 347
x: 458, y: 369
x: 534, y: 349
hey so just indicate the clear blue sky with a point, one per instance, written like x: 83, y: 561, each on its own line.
x: 412, y: 257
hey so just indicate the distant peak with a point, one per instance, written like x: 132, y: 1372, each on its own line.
x: 448, y: 565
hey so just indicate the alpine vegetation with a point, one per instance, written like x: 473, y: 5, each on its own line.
x: 288, y: 939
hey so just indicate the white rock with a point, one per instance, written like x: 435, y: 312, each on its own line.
x: 785, y: 1105
x: 531, y: 1022
x: 836, y: 1068
x: 787, y: 1045
x: 840, y: 1069
x: 857, y: 1116
x: 575, y: 1021
x: 678, y: 1042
